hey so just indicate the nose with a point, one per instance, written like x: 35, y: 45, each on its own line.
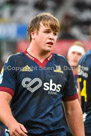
x: 51, y: 36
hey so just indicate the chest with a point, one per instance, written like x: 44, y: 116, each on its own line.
x: 32, y: 77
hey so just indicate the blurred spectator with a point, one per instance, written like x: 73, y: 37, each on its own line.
x: 75, y: 52
x: 65, y: 32
x: 40, y: 4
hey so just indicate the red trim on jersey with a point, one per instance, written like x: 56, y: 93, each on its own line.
x: 42, y: 65
x: 70, y: 98
x: 8, y: 90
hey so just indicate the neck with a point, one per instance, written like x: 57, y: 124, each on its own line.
x: 74, y: 70
x: 38, y: 54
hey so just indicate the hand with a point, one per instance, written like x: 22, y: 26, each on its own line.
x: 18, y: 129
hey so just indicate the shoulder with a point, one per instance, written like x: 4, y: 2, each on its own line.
x: 15, y: 56
x: 12, y: 59
x: 58, y: 56
x: 86, y: 59
x: 60, y: 59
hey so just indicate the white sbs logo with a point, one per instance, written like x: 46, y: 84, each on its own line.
x: 34, y: 84
x: 28, y: 82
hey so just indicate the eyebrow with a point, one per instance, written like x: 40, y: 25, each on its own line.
x: 48, y: 29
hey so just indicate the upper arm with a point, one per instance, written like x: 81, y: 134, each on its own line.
x: 4, y: 96
x: 71, y: 105
x: 8, y: 77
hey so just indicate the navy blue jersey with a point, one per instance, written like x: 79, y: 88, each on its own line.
x: 84, y: 72
x: 38, y: 90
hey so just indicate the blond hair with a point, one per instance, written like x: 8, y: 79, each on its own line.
x: 47, y: 20
x: 78, y: 43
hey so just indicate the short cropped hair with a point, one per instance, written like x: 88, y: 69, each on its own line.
x: 78, y: 43
x: 47, y: 20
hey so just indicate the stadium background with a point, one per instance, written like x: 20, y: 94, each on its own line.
x: 15, y: 15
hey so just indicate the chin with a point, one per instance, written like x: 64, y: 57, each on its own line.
x: 49, y: 49
x: 74, y: 65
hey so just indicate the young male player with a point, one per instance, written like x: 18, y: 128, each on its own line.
x: 75, y: 52
x: 34, y: 83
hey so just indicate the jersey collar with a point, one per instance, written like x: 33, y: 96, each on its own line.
x: 42, y: 65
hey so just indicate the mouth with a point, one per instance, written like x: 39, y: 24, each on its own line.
x: 75, y: 61
x: 50, y: 43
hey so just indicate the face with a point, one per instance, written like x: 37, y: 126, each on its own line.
x: 74, y: 58
x: 45, y: 38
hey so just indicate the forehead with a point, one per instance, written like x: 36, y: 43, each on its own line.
x: 76, y: 52
x: 42, y: 26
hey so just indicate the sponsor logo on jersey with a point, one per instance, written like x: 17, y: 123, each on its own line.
x: 29, y: 84
x: 52, y: 87
x: 58, y: 69
x: 83, y: 71
x: 33, y: 85
x: 26, y: 68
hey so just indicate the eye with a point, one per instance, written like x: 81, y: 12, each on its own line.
x: 73, y: 52
x: 47, y: 31
x: 79, y: 54
x: 55, y: 33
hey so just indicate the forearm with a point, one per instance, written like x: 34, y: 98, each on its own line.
x: 7, y: 118
x: 5, y: 114
x: 73, y: 118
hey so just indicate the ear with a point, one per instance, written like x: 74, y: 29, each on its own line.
x: 33, y: 34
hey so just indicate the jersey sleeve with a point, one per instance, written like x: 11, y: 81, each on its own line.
x: 70, y: 91
x: 7, y: 77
